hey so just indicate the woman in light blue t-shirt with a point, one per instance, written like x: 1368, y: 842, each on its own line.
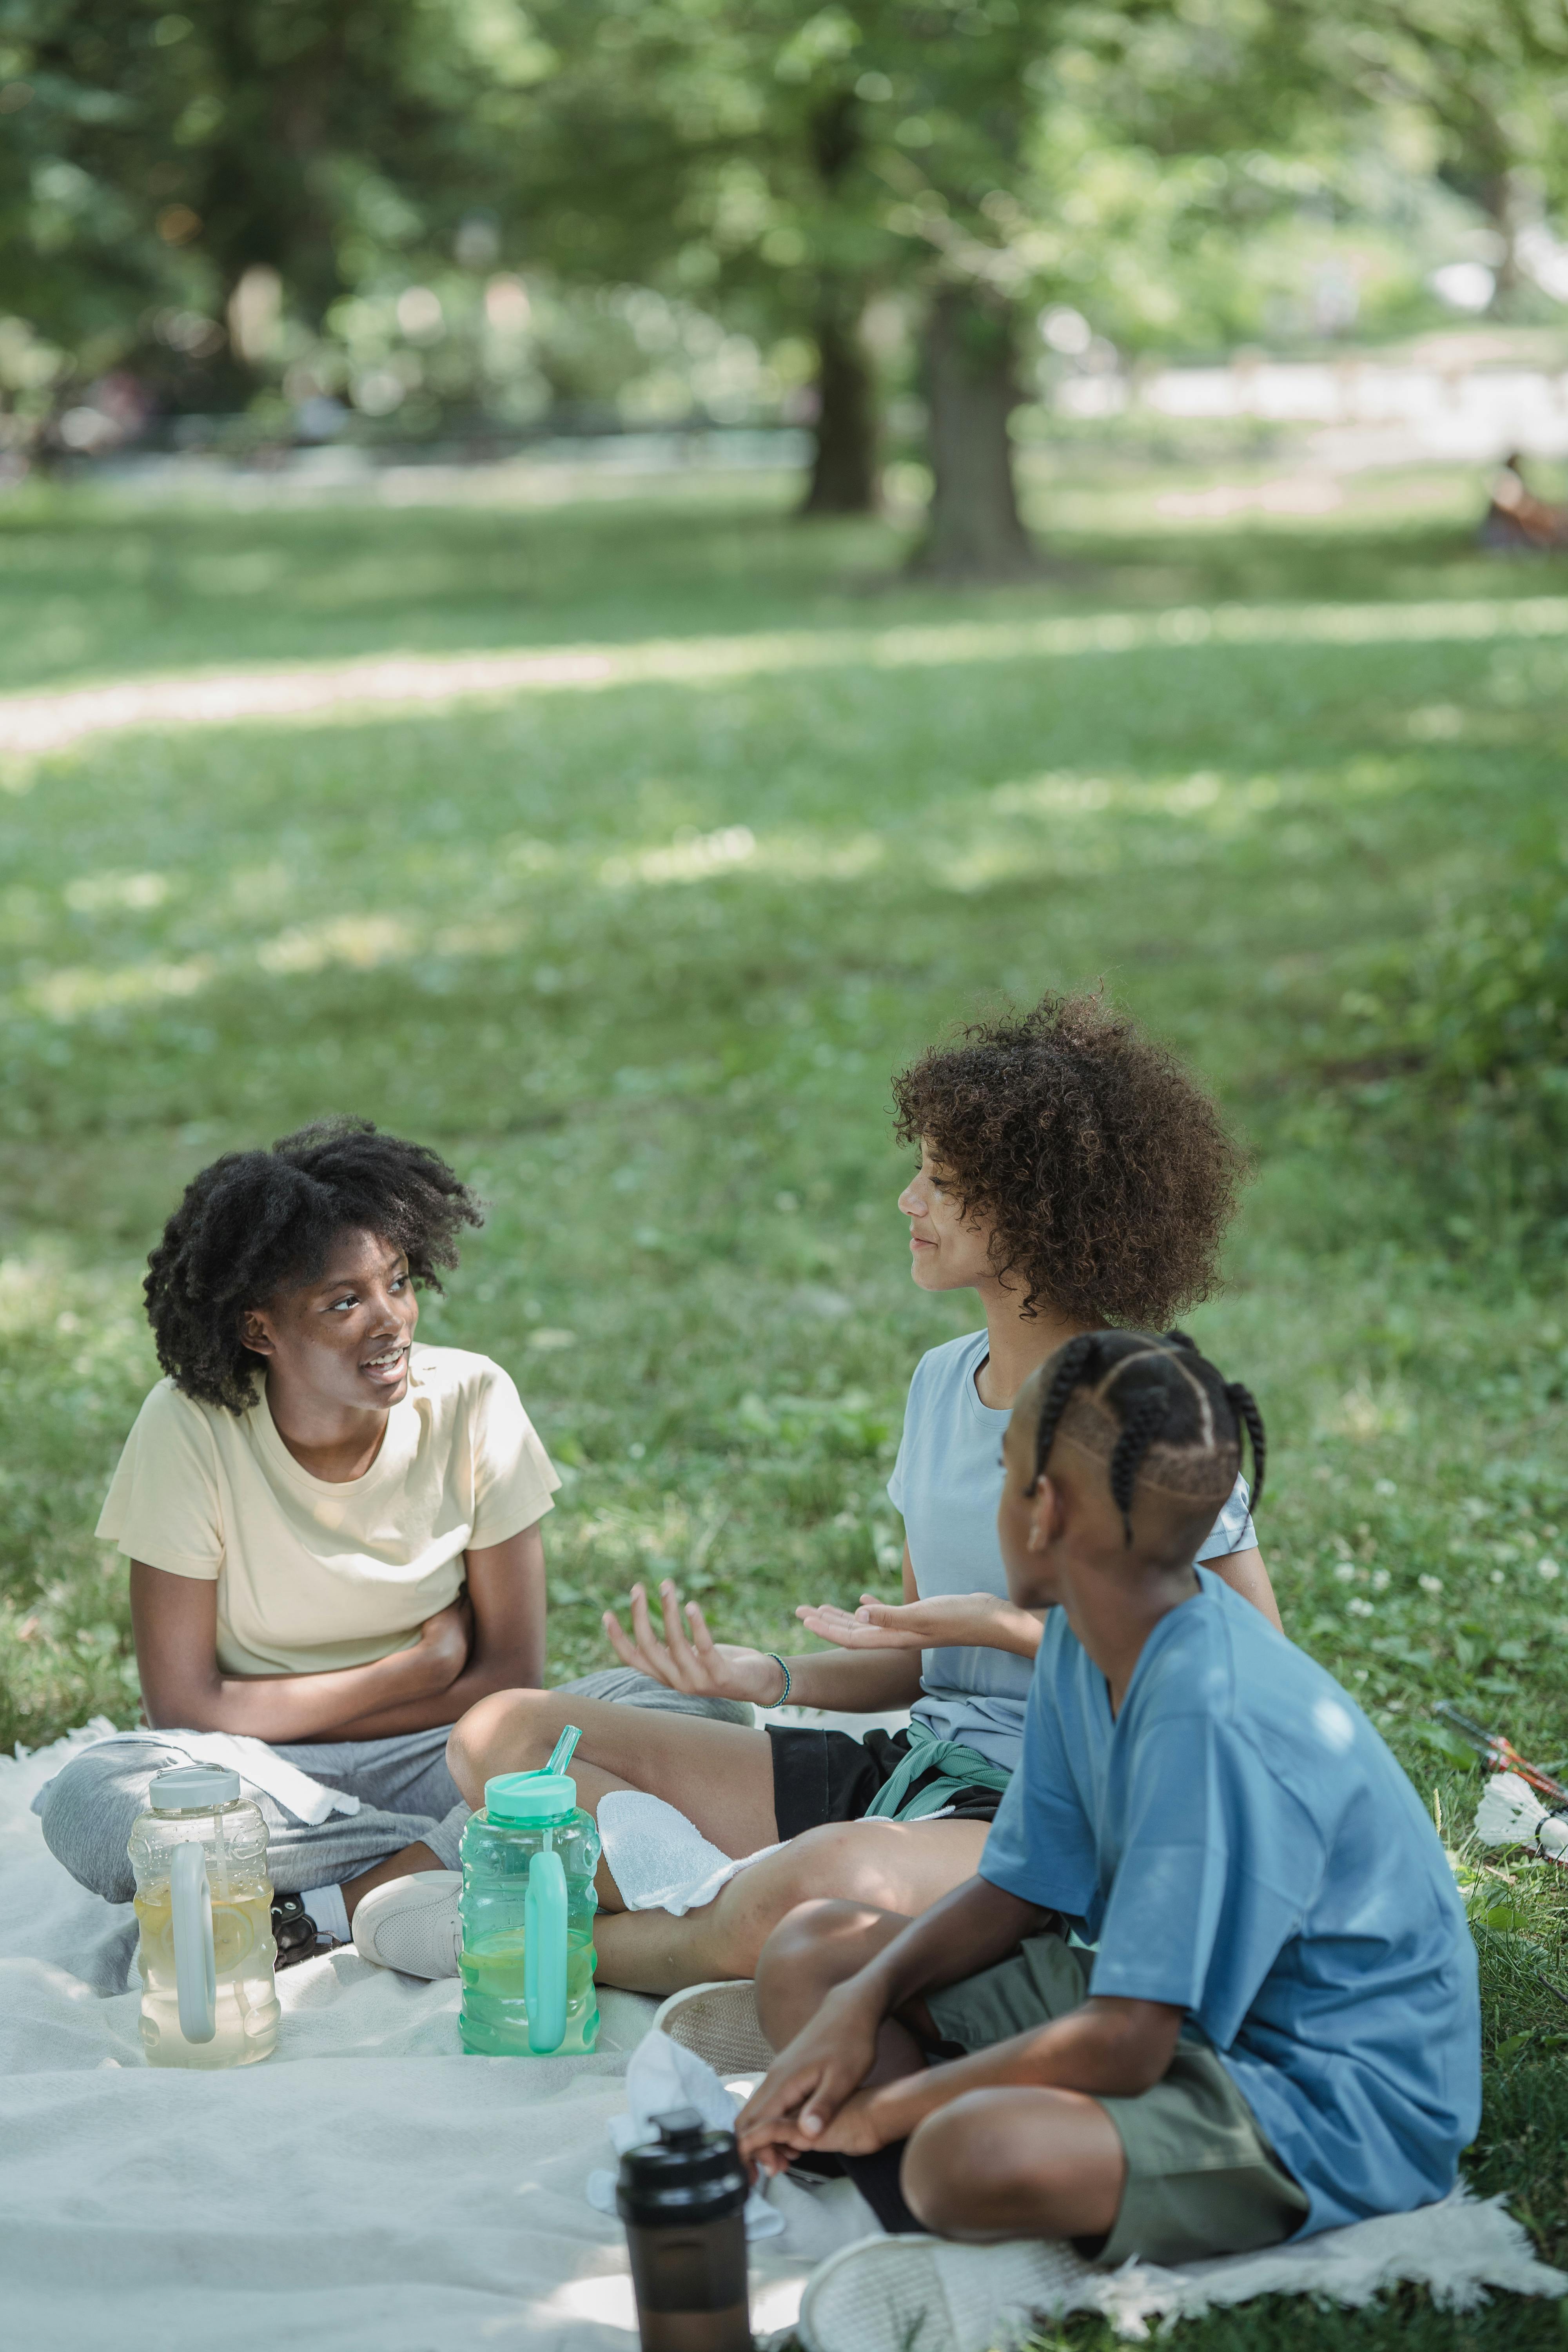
x: 1075, y: 1176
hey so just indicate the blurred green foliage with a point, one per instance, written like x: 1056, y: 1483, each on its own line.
x: 413, y: 216
x: 1460, y: 1055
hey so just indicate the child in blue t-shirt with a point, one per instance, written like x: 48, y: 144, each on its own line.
x: 1266, y: 2021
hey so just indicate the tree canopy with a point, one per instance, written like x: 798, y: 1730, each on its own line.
x: 410, y: 213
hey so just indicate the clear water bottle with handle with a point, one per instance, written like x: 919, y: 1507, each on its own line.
x: 203, y: 1905
x: 528, y: 1906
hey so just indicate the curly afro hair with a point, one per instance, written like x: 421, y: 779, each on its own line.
x: 256, y: 1223
x: 1102, y: 1168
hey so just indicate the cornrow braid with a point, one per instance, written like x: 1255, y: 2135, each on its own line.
x: 1244, y: 1404
x: 1153, y: 1406
x: 1074, y: 1367
x: 1143, y: 1423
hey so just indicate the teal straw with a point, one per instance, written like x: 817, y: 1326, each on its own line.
x: 565, y: 1748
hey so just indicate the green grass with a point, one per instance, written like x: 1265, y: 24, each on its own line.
x: 528, y: 931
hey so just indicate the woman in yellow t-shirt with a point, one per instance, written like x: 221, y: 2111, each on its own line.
x: 336, y: 1559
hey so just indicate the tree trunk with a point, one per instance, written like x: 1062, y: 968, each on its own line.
x: 974, y: 531
x: 843, y: 471
x: 1497, y: 197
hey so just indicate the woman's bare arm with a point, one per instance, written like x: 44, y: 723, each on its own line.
x: 958, y: 1621
x: 505, y: 1588
x: 1244, y: 1573
x: 174, y: 1620
x: 862, y: 1681
x: 491, y: 1638
x: 983, y: 1620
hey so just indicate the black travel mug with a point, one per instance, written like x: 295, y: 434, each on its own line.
x: 683, y: 2200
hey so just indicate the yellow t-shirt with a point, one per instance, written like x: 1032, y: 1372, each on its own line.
x: 312, y: 1576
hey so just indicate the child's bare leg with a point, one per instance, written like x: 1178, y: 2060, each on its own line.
x: 1005, y: 2163
x: 718, y: 1775
x: 899, y: 1867
x: 1016, y: 2163
x: 815, y: 1948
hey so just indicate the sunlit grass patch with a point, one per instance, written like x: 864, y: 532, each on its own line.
x: 639, y: 960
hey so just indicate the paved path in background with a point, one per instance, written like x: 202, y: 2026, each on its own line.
x: 33, y: 725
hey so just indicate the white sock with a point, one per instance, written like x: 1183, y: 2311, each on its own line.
x: 328, y: 1909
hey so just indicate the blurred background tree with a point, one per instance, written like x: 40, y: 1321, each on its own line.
x: 718, y: 153
x: 187, y: 196
x: 1488, y: 76
x: 257, y: 221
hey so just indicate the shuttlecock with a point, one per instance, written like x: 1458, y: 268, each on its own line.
x: 1511, y: 1813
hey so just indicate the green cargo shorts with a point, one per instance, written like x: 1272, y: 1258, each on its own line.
x: 1201, y: 2177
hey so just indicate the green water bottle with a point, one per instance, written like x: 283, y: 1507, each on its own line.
x: 528, y: 1906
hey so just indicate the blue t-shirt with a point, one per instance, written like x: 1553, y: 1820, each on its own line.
x: 947, y: 1483
x: 1240, y: 1842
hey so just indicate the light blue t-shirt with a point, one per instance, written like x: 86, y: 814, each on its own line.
x: 1240, y: 1843
x: 947, y: 1483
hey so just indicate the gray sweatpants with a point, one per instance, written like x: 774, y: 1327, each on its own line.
x: 407, y: 1797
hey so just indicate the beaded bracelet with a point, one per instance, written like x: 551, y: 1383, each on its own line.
x: 784, y: 1671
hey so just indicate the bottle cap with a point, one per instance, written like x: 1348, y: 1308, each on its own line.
x: 680, y: 2128
x: 530, y: 1797
x: 689, y: 2174
x: 193, y: 1789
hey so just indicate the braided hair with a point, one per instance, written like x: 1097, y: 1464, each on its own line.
x: 1177, y: 1421
x: 256, y: 1223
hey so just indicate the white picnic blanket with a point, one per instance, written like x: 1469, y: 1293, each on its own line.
x: 395, y: 2194
x: 392, y: 2193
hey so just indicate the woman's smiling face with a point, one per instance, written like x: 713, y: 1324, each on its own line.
x: 946, y: 1252
x: 344, y: 1336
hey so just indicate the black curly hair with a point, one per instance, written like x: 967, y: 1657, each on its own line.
x: 1151, y: 1407
x: 1103, y: 1169
x: 256, y: 1223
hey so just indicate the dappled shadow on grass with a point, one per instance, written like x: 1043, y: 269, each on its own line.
x: 1376, y: 562
x: 480, y: 921
x: 89, y: 590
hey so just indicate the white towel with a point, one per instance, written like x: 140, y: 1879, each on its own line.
x: 659, y: 1860
x: 308, y: 1800
x: 663, y: 2076
x: 662, y: 1862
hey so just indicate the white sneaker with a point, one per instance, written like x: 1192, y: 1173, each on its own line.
x: 719, y: 2021
x: 884, y: 2294
x: 412, y: 1924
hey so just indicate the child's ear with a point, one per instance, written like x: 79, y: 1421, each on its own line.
x: 1044, y: 1514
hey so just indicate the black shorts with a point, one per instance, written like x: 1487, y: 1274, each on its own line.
x: 828, y: 1776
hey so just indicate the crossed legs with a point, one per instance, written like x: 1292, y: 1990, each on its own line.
x: 721, y: 1776
x: 1004, y: 2162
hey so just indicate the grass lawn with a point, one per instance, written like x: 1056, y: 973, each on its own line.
x: 638, y: 957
